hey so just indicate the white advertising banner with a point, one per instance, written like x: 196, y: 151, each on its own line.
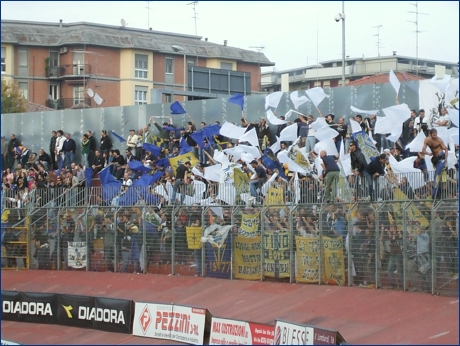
x: 287, y: 333
x: 172, y: 322
x: 233, y: 332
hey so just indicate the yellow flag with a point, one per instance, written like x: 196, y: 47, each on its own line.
x: 181, y: 159
x: 413, y: 213
x: 275, y: 196
x: 193, y: 237
x: 241, y: 181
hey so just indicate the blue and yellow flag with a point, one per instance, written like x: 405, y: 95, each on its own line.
x: 181, y: 159
x: 366, y: 145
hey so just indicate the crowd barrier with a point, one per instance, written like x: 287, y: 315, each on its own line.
x: 402, y: 244
x: 185, y: 324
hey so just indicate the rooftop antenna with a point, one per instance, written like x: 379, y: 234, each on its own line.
x: 194, y: 3
x: 148, y: 13
x: 259, y: 48
x: 416, y: 31
x: 123, y: 23
x: 378, y: 38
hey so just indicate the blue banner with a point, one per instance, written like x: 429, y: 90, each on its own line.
x: 219, y: 260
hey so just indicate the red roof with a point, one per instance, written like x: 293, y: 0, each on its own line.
x: 382, y: 78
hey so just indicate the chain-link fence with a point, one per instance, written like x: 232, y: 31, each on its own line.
x: 401, y: 244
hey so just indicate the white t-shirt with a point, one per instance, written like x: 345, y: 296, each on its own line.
x: 128, y: 182
x: 418, y: 122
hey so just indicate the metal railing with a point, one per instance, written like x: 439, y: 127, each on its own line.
x: 405, y: 244
x: 65, y: 103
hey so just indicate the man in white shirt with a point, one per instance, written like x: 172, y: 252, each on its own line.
x: 58, y: 150
x: 127, y: 182
x: 132, y: 141
x: 443, y: 120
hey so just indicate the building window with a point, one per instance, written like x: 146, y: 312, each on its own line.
x: 141, y: 67
x: 54, y: 92
x: 22, y: 58
x: 24, y: 88
x: 3, y: 59
x: 169, y: 65
x: 226, y: 66
x: 168, y: 98
x: 78, y: 95
x: 190, y: 62
x: 140, y: 95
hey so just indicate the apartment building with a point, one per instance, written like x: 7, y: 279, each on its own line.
x: 329, y: 73
x: 79, y: 65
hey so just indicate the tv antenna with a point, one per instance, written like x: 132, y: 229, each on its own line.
x: 378, y: 38
x: 123, y: 23
x: 194, y: 3
x: 259, y: 49
x: 416, y: 31
x: 148, y: 13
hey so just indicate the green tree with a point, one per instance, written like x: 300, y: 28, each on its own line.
x: 13, y: 100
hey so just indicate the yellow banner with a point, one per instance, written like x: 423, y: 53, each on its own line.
x: 276, y: 254
x: 181, y: 159
x: 307, y: 256
x: 275, y: 196
x: 334, y: 266
x: 413, y: 213
x: 193, y: 237
x: 246, y: 258
x: 241, y: 181
x: 249, y: 225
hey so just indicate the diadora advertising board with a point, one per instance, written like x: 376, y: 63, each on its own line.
x: 172, y: 322
x: 233, y: 332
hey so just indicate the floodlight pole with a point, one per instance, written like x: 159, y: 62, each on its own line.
x: 343, y: 43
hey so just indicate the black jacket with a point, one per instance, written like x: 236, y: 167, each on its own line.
x: 52, y: 145
x: 358, y: 161
x: 106, y: 143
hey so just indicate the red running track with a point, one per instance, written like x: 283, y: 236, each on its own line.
x: 362, y: 316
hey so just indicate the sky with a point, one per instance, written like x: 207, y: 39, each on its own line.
x: 293, y: 34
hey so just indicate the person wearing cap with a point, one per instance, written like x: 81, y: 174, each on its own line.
x: 331, y: 171
x: 131, y: 141
x: 257, y: 180
x: 373, y: 171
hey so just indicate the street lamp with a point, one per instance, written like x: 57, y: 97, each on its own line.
x: 177, y: 48
x: 338, y: 17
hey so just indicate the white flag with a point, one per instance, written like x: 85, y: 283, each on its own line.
x: 325, y: 133
x: 289, y: 133
x: 355, y: 127
x: 398, y: 114
x: 394, y: 81
x: 251, y: 137
x: 212, y: 173
x: 354, y: 109
x: 254, y: 151
x: 319, y: 123
x: 298, y: 100
x: 383, y: 125
x: 273, y: 99
x: 276, y: 146
x: 231, y: 131
x: 328, y: 145
x: 76, y: 254
x: 405, y: 168
x: 417, y: 144
x: 316, y: 95
x: 216, y: 234
x: 272, y: 119
x: 453, y: 116
x: 441, y: 83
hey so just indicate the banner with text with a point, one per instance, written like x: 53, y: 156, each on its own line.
x: 247, y: 258
x: 171, y: 322
x: 234, y: 332
x: 287, y: 333
x: 334, y: 265
x: 249, y: 225
x: 219, y: 259
x: 276, y: 254
x: 77, y: 254
x: 307, y: 259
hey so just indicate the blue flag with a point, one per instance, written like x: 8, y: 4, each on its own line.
x: 148, y: 197
x: 237, y: 99
x: 184, y: 147
x: 155, y: 150
x: 110, y: 186
x: 88, y: 176
x: 271, y: 162
x: 162, y: 163
x: 148, y: 179
x: 128, y: 198
x: 176, y: 108
x: 365, y: 144
x: 121, y: 139
x: 211, y: 130
x: 198, y: 137
x: 134, y: 253
x: 138, y: 166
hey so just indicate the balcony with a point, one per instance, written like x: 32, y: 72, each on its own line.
x: 74, y: 71
x: 66, y: 103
